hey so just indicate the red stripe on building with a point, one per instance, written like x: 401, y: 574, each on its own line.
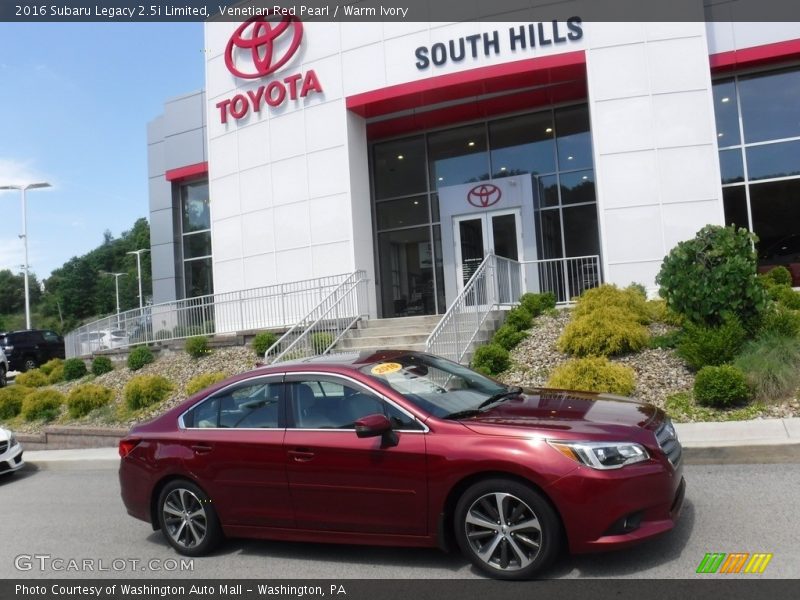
x: 755, y: 57
x: 187, y: 172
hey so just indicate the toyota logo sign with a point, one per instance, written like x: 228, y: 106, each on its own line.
x: 483, y: 195
x: 259, y: 35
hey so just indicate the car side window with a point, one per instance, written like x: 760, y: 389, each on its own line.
x: 251, y: 405
x: 49, y: 336
x: 330, y: 404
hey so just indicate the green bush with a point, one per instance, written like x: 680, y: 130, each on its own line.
x: 508, y: 337
x: 638, y: 288
x: 771, y: 365
x: 102, y: 365
x: 139, y: 357
x: 320, y: 341
x: 720, y: 386
x: 42, y: 405
x: 33, y: 378
x: 666, y: 341
x: 202, y: 381
x: 519, y: 318
x: 56, y: 375
x: 491, y: 359
x: 74, y: 368
x: 606, y: 331
x: 163, y: 334
x: 786, y: 296
x: 50, y: 365
x: 145, y: 390
x: 629, y: 301
x: 11, y: 400
x: 712, y: 275
x: 659, y: 312
x: 538, y: 303
x: 197, y: 346
x: 779, y: 320
x: 594, y: 374
x: 777, y: 276
x: 263, y: 341
x: 702, y: 346
x: 83, y: 399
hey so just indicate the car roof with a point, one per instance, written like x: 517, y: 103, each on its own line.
x: 354, y: 360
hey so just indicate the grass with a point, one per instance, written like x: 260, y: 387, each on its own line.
x: 682, y: 408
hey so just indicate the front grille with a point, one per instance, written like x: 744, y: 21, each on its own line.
x: 3, y: 447
x: 668, y: 441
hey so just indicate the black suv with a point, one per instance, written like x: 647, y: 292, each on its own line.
x: 30, y: 348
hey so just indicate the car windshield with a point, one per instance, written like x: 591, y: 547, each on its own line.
x: 436, y: 385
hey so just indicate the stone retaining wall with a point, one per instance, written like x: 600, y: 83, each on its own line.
x: 65, y: 438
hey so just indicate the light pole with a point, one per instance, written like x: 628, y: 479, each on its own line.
x: 138, y: 254
x: 116, y: 286
x: 24, y: 236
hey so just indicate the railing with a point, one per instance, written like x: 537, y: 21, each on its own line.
x: 566, y: 278
x: 324, y: 325
x: 275, y: 306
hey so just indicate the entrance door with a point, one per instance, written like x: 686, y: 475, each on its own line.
x: 477, y: 236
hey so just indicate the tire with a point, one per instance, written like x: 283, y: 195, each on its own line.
x: 3, y: 374
x: 29, y: 364
x: 188, y: 519
x: 526, y: 544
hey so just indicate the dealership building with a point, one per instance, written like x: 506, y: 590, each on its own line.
x: 410, y: 151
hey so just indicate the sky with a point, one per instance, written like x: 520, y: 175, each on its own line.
x: 75, y: 100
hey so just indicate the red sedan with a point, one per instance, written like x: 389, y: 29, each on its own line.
x: 405, y: 449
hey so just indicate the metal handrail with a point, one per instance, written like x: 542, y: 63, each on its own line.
x: 321, y: 329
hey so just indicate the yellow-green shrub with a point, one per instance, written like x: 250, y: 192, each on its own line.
x: 83, y: 399
x: 606, y: 331
x: 596, y: 374
x: 629, y: 301
x: 42, y: 404
x: 51, y: 365
x: 11, y: 400
x: 202, y: 381
x: 56, y: 375
x: 659, y: 312
x: 33, y: 378
x: 146, y: 390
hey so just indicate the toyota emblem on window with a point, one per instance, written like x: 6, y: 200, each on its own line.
x: 483, y: 195
x: 260, y: 35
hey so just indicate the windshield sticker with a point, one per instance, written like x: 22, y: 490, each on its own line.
x: 386, y: 368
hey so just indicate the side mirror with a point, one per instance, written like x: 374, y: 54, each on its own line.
x: 375, y: 425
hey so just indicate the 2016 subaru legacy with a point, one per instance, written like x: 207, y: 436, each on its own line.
x: 405, y: 449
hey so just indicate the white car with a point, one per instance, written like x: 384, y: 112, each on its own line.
x: 10, y: 453
x: 103, y: 339
x: 3, y: 368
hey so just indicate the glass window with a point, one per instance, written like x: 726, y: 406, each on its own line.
x: 580, y: 230
x: 403, y: 212
x: 726, y: 113
x: 439, y: 265
x: 196, y: 245
x: 399, y: 168
x: 735, y: 202
x: 731, y: 165
x: 574, y: 139
x: 197, y: 277
x: 549, y: 238
x: 776, y: 213
x: 196, y: 216
x: 523, y: 144
x: 458, y: 155
x: 773, y: 160
x: 548, y: 190
x: 248, y: 405
x: 406, y: 265
x: 577, y: 187
x: 770, y: 109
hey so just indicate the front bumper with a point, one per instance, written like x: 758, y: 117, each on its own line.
x: 11, y: 459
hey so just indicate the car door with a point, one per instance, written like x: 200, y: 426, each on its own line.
x: 234, y: 446
x: 53, y: 346
x: 340, y: 482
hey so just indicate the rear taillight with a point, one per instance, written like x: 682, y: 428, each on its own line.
x: 126, y: 446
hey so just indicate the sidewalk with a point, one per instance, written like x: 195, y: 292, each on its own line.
x: 730, y: 440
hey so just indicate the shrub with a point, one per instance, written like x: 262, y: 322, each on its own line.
x: 595, y: 374
x: 785, y: 295
x: 713, y: 274
x: 659, y: 312
x: 42, y: 405
x: 638, y: 288
x: 538, y: 303
x: 83, y: 399
x: 779, y: 320
x: 666, y: 341
x: 163, y: 334
x: 197, y: 346
x: 145, y: 390
x: 702, y: 346
x: 11, y: 400
x: 263, y: 341
x: 508, y: 337
x: 74, y: 368
x: 777, y: 276
x: 606, y: 331
x: 50, y: 365
x: 202, y: 381
x: 629, y: 301
x: 33, y: 378
x: 139, y: 357
x: 771, y: 365
x: 56, y: 375
x: 320, y: 341
x: 490, y: 359
x: 720, y: 386
x: 519, y: 318
x: 101, y: 365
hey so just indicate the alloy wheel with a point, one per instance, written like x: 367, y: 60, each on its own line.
x: 185, y: 518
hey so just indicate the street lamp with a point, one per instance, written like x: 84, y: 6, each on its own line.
x: 138, y: 254
x: 24, y: 236
x: 116, y: 286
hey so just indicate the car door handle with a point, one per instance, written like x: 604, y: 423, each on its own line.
x: 301, y: 455
x: 201, y: 448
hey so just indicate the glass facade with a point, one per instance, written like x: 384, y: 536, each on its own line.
x: 196, y: 239
x: 553, y: 146
x: 758, y: 133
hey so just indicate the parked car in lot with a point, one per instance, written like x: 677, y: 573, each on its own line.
x: 3, y: 368
x: 30, y: 348
x: 103, y: 339
x: 405, y: 449
x: 10, y: 453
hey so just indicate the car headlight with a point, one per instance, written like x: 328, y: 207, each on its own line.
x: 12, y: 441
x: 602, y: 455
